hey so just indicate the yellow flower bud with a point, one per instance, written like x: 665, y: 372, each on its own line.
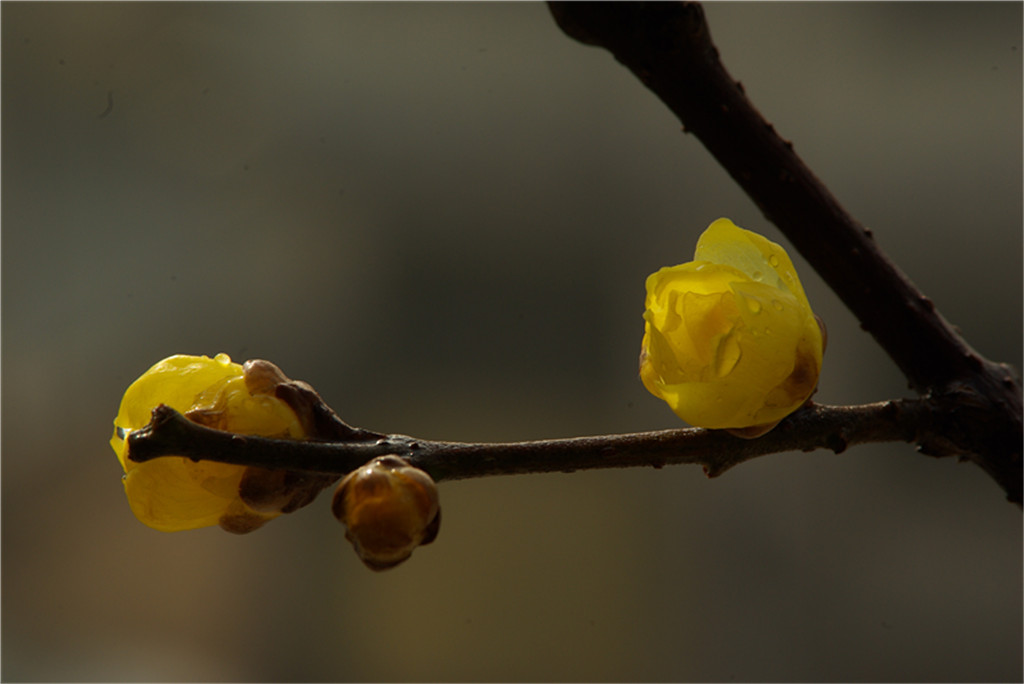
x: 730, y: 340
x: 388, y: 508
x: 175, y: 493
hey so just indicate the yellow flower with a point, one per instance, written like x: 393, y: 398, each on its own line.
x: 175, y: 493
x: 730, y: 340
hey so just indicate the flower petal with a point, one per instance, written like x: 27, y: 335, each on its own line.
x: 730, y: 340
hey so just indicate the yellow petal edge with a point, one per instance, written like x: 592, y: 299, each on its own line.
x: 730, y: 340
x: 174, y: 493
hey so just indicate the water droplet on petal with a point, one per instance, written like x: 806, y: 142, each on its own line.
x: 774, y: 261
x: 753, y: 304
x: 777, y: 305
x: 758, y: 276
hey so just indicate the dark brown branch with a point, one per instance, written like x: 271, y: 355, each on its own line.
x: 668, y: 46
x: 814, y: 427
x: 971, y: 407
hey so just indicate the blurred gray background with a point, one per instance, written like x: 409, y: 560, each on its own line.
x: 442, y: 216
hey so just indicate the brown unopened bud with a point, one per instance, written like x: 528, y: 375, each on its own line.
x: 388, y: 508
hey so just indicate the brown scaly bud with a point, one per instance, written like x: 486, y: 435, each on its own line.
x: 388, y: 508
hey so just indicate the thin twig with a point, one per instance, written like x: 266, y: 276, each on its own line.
x: 814, y: 427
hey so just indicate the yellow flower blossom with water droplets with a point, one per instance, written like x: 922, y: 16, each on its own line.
x: 175, y: 493
x: 730, y: 340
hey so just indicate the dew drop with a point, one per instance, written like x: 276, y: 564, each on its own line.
x: 754, y: 305
x: 758, y: 276
x: 777, y: 305
x: 774, y: 261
